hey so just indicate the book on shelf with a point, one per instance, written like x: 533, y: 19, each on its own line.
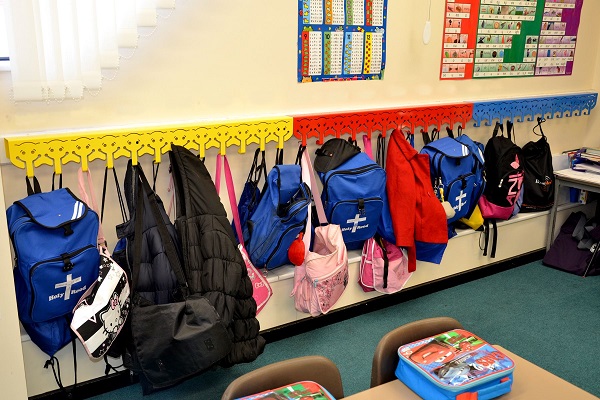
x: 591, y: 151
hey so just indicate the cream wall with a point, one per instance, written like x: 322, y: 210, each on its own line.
x: 213, y: 60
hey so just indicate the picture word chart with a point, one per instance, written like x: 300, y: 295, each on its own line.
x: 509, y: 38
x: 341, y: 40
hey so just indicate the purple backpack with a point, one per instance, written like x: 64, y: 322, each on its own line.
x: 575, y: 248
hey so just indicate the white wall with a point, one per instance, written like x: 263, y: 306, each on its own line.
x: 213, y: 60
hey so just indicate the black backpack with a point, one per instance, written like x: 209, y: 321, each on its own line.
x: 538, y: 184
x: 504, y: 180
x: 504, y: 172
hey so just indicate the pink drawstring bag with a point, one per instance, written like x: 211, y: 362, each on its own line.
x: 383, y: 267
x: 261, y: 289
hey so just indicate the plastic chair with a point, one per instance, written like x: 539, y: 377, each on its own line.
x: 385, y: 359
x: 310, y: 368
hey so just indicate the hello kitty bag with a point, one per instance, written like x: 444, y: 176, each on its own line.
x: 102, y: 310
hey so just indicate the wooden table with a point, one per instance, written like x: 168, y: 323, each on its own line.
x: 530, y: 383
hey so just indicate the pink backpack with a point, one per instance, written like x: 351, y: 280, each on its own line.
x: 383, y: 267
x: 323, y: 276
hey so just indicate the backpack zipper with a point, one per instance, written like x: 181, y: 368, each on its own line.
x: 462, y: 178
x: 64, y: 257
x: 280, y: 240
x: 296, y: 211
x: 356, y: 171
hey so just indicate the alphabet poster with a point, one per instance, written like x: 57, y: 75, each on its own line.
x: 509, y: 38
x: 341, y: 40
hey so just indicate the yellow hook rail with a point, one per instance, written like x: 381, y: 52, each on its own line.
x: 29, y: 152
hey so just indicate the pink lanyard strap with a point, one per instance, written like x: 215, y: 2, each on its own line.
x: 314, y: 188
x: 230, y: 191
x: 90, y: 200
x: 368, y: 147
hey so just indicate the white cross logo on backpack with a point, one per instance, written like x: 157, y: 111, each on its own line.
x: 67, y: 285
x: 459, y: 198
x: 356, y: 220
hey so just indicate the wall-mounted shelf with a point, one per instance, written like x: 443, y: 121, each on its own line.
x: 528, y: 108
x: 83, y: 147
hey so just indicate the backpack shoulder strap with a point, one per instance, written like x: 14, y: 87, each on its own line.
x: 499, y: 127
x: 510, y: 132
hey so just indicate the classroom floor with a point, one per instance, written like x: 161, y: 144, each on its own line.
x: 549, y: 317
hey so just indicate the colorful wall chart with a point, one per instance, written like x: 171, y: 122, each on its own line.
x: 341, y: 39
x: 509, y: 38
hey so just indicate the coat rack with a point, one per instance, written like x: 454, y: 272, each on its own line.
x: 546, y: 107
x: 29, y: 152
x: 83, y: 147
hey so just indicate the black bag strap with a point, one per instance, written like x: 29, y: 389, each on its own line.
x: 155, y: 168
x: 256, y: 169
x: 426, y: 138
x: 486, y: 232
x: 301, y: 149
x: 119, y: 195
x: 450, y: 132
x: 386, y: 260
x: 498, y: 127
x: 279, y: 156
x: 130, y: 187
x: 510, y: 133
x: 60, y: 180
x: 540, y: 121
x: 36, y: 186
x: 380, y: 151
x: 53, y: 362
x: 170, y: 249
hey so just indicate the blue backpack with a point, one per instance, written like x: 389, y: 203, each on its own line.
x: 279, y: 217
x: 354, y: 194
x: 54, y: 236
x: 456, y: 166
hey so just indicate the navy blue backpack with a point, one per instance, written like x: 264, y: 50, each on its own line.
x: 251, y: 194
x: 279, y: 217
x: 354, y: 194
x: 54, y: 237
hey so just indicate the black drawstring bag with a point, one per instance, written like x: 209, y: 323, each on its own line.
x: 538, y: 182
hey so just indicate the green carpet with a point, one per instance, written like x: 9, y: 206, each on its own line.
x: 546, y: 316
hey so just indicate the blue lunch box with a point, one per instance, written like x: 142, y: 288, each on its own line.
x: 454, y: 365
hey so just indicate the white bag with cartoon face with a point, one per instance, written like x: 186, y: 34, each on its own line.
x: 102, y: 310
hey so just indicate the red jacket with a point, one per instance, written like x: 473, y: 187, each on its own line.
x: 418, y: 218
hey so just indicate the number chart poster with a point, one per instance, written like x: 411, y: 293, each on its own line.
x: 341, y: 40
x: 509, y: 38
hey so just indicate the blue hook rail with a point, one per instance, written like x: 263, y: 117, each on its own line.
x: 547, y: 107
